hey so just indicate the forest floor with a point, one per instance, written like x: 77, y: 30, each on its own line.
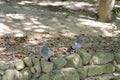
x: 24, y: 26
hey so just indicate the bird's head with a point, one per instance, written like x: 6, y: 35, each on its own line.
x: 80, y: 40
x: 44, y: 44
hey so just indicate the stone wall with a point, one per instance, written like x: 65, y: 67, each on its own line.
x: 81, y: 66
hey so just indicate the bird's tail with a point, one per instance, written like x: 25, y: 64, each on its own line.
x: 70, y: 49
x: 49, y: 60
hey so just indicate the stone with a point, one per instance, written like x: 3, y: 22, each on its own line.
x: 102, y: 58
x: 19, y: 64
x: 1, y: 72
x: 117, y: 67
x: 46, y: 66
x: 91, y: 78
x: 36, y: 75
x: 73, y: 60
x: 85, y: 57
x: 45, y: 77
x: 3, y: 65
x: 82, y: 71
x: 35, y: 61
x: 32, y: 69
x: 117, y: 58
x: 36, y: 64
x: 57, y: 75
x: 28, y: 61
x: 105, y: 77
x: 116, y: 75
x: 101, y: 77
x: 59, y: 62
x: 70, y: 74
x: 108, y: 68
x: 26, y: 74
x: 37, y: 68
x: 94, y: 70
x: 0, y: 77
x: 12, y: 74
x: 34, y: 79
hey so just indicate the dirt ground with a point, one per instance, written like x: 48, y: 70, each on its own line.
x: 72, y: 17
x: 25, y: 25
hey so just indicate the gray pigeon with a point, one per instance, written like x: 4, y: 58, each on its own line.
x: 76, y: 45
x: 45, y: 51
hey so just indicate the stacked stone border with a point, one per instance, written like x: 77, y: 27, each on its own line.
x: 81, y: 66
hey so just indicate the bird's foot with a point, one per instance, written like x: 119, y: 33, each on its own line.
x: 74, y: 52
x: 43, y: 60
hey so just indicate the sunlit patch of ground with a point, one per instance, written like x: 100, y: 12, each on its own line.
x: 73, y: 17
x: 26, y: 25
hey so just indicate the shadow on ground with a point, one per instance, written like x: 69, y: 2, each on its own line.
x: 24, y: 17
x: 24, y: 26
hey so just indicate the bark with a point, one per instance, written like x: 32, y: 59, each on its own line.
x: 105, y: 10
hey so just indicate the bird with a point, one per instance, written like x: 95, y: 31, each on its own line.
x: 76, y: 45
x: 46, y: 52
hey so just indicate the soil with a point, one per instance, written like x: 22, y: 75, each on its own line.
x: 25, y: 25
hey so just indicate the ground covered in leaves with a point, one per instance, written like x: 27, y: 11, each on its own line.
x: 57, y: 23
x: 29, y: 46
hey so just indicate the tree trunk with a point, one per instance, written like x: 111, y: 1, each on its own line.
x: 105, y: 10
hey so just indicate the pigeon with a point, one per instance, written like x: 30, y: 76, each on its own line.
x: 45, y: 52
x: 76, y: 45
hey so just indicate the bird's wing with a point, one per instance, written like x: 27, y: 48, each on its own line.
x: 49, y: 52
x: 46, y: 53
x: 74, y: 46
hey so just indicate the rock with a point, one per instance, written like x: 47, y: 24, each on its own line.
x: 46, y: 66
x: 100, y: 69
x: 12, y: 74
x: 0, y: 77
x: 1, y: 72
x: 19, y: 64
x: 36, y: 63
x: 82, y: 71
x: 101, y: 77
x: 36, y: 75
x: 32, y: 69
x: 85, y: 57
x: 37, y: 68
x: 70, y: 74
x: 28, y: 61
x: 26, y: 74
x: 102, y: 58
x: 57, y: 75
x: 106, y: 77
x: 94, y: 70
x: 44, y: 77
x: 74, y: 60
x: 117, y: 67
x: 11, y: 65
x: 59, y: 62
x: 91, y: 78
x: 117, y: 58
x: 34, y: 79
x: 116, y: 75
x: 108, y: 68
x: 3, y: 65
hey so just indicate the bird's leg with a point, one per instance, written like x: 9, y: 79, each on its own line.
x: 43, y: 60
x: 74, y: 52
x: 49, y: 60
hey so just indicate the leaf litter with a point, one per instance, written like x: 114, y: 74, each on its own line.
x: 28, y: 46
